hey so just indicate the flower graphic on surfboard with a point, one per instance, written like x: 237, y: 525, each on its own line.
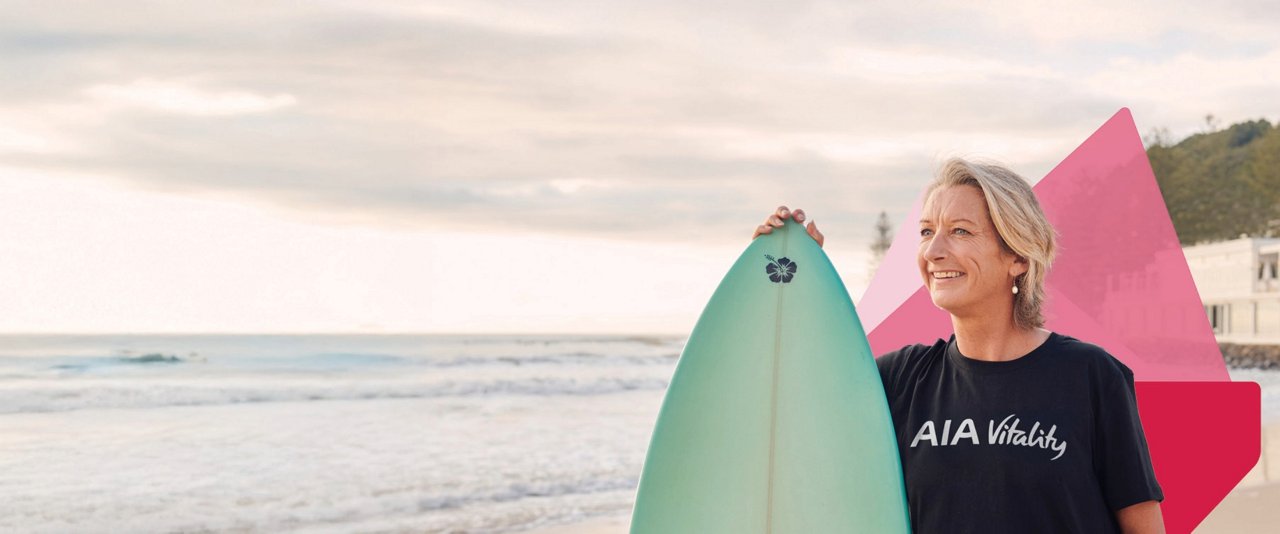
x: 780, y: 270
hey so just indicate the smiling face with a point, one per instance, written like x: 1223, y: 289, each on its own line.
x: 957, y: 236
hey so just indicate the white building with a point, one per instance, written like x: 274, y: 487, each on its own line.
x: 1238, y: 285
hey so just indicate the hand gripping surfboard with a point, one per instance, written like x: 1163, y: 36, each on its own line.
x: 775, y: 420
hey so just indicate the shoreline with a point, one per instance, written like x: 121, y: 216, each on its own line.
x: 1243, y: 356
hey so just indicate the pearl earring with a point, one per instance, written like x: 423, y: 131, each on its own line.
x: 1015, y: 289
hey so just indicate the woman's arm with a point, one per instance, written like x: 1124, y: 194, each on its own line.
x: 1141, y: 518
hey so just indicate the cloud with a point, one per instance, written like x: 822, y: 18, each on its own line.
x: 609, y: 119
x: 181, y: 98
x: 14, y: 139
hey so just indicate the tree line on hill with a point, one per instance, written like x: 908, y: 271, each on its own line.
x: 1221, y: 183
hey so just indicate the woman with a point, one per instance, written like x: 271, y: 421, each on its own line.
x: 1007, y: 426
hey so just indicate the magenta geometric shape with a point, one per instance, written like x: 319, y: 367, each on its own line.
x: 1203, y: 437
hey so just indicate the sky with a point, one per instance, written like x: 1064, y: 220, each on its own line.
x: 519, y: 167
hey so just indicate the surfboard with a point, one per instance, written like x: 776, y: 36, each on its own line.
x: 775, y: 420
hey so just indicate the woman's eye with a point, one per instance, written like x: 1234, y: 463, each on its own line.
x: 924, y: 230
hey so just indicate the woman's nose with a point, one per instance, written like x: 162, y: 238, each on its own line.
x: 935, y: 248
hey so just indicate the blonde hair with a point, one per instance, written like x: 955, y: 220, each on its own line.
x: 1021, y: 225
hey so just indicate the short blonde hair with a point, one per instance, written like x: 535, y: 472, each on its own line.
x: 1022, y: 227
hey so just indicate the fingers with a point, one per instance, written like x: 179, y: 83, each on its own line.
x: 774, y: 220
x: 778, y: 218
x: 817, y: 236
x: 812, y: 230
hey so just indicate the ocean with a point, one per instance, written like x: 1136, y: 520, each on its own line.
x: 319, y: 433
x: 332, y: 433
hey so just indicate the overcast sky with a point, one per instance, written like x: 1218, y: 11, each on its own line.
x: 556, y: 166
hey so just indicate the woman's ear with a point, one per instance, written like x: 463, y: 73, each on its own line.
x: 1020, y: 266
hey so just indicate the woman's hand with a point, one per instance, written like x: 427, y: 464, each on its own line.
x: 778, y: 218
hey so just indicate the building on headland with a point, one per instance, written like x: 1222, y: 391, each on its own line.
x: 1240, y: 288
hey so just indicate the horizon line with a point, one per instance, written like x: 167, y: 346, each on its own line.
x: 343, y: 333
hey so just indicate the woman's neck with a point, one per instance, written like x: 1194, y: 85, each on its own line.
x: 995, y: 341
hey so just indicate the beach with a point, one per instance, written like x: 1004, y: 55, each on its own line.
x: 1253, y: 507
x: 316, y: 433
x: 1247, y: 510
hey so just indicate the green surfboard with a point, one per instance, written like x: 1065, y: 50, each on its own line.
x: 775, y: 420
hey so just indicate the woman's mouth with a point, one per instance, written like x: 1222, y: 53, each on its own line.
x: 946, y: 276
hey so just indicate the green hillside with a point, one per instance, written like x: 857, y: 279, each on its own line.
x: 1221, y: 184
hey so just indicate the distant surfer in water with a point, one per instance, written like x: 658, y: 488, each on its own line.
x: 1007, y: 426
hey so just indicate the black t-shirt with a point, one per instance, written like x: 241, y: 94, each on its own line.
x: 1048, y: 442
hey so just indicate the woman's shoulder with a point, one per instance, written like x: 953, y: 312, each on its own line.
x: 913, y: 350
x: 913, y: 353
x: 897, y: 365
x: 1100, y: 363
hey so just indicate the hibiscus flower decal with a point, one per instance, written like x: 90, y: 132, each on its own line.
x: 780, y: 269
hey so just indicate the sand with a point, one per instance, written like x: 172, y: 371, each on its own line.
x: 1253, y: 509
x: 1247, y: 510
